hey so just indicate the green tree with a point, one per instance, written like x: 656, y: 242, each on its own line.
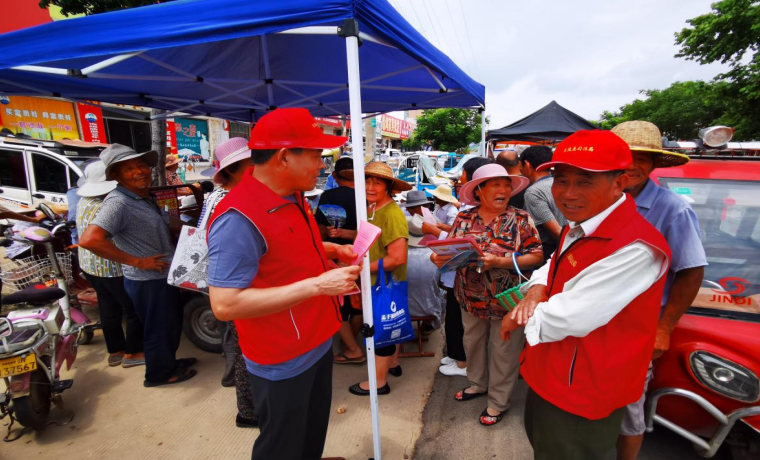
x: 730, y: 34
x: 70, y: 7
x: 448, y: 129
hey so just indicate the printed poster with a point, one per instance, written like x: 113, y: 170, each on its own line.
x: 91, y: 121
x: 192, y: 139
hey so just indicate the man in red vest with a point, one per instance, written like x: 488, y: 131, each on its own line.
x: 268, y: 272
x: 591, y: 314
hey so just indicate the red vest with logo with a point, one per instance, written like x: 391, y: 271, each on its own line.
x: 293, y: 253
x: 592, y: 376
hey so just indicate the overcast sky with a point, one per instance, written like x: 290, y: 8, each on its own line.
x: 589, y: 56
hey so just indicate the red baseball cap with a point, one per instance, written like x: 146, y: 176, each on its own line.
x: 291, y: 129
x: 593, y: 150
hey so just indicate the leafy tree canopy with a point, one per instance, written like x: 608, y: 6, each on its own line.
x: 448, y: 129
x: 71, y: 7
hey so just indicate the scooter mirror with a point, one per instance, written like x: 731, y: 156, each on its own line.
x: 5, y: 327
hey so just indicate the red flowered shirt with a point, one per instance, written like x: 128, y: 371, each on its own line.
x: 512, y: 231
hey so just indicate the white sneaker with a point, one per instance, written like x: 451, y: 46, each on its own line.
x: 452, y: 370
x: 446, y: 361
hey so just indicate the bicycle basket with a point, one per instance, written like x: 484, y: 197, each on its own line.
x: 19, y: 274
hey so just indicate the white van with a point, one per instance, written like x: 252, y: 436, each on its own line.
x: 33, y: 170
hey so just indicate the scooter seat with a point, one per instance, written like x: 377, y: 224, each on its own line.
x: 34, y: 294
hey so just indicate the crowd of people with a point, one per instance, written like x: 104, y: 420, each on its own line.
x: 567, y: 227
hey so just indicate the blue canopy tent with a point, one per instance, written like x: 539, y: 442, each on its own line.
x: 237, y: 59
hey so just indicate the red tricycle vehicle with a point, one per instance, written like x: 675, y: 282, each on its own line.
x: 706, y: 386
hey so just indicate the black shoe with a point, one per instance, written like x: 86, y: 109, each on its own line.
x: 242, y: 422
x: 359, y: 391
x: 396, y: 371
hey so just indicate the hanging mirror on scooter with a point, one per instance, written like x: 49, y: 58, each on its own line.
x: 48, y: 211
x: 5, y: 327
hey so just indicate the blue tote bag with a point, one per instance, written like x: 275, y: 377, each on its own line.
x: 390, y: 310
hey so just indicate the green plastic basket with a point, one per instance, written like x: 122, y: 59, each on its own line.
x: 512, y: 296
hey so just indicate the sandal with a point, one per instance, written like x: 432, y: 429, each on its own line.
x: 359, y: 391
x: 181, y: 377
x: 487, y: 419
x: 462, y: 395
x: 184, y: 363
x: 343, y: 359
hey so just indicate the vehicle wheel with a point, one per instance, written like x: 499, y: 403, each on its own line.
x: 201, y: 326
x: 86, y: 337
x: 32, y: 411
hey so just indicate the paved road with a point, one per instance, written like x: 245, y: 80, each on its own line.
x: 451, y: 431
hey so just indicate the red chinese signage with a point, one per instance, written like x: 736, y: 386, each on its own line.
x: 91, y: 120
x: 396, y: 128
x: 334, y: 122
x: 167, y: 200
x: 171, y: 138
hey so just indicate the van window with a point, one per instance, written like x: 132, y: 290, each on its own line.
x: 12, y: 171
x: 49, y: 174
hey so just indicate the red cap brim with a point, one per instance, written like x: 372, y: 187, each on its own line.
x: 325, y: 141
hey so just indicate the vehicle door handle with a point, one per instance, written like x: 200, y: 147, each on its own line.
x: 39, y: 195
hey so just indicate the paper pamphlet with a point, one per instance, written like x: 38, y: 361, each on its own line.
x: 453, y: 247
x: 460, y: 260
x: 366, y: 236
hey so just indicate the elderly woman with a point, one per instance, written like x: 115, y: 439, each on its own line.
x: 391, y: 248
x: 132, y: 230
x: 500, y: 230
x: 233, y: 157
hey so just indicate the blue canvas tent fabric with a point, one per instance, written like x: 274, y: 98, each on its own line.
x: 550, y: 123
x: 236, y: 59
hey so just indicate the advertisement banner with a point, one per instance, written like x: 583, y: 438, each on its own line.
x: 192, y: 139
x: 39, y: 118
x: 171, y: 138
x: 334, y: 122
x: 396, y: 128
x: 167, y: 199
x: 91, y: 121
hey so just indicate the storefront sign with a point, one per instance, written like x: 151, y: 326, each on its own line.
x: 395, y: 128
x: 192, y: 138
x: 334, y: 122
x: 91, y: 121
x: 171, y: 138
x: 39, y: 118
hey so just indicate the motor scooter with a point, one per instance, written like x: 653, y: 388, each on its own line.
x: 38, y: 338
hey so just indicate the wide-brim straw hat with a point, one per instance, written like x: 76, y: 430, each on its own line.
x: 643, y: 136
x: 490, y: 171
x: 444, y: 193
x: 381, y: 171
x: 171, y: 160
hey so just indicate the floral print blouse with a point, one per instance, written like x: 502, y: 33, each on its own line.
x: 512, y: 231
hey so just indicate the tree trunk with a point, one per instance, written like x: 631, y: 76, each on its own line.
x: 158, y: 141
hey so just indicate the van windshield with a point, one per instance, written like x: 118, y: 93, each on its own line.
x: 729, y: 222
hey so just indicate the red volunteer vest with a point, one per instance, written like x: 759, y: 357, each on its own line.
x: 294, y: 252
x: 592, y: 376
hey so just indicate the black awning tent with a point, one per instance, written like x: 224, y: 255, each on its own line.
x: 550, y: 123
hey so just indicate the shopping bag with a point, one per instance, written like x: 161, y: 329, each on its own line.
x: 189, y: 269
x: 390, y: 310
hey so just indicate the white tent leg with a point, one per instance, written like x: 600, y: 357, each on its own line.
x: 482, y: 148
x: 355, y: 101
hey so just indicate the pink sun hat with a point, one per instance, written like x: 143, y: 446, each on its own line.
x: 485, y: 172
x: 226, y: 153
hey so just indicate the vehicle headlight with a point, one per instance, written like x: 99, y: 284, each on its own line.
x: 725, y: 377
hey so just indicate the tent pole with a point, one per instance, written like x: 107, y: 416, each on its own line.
x: 482, y: 147
x: 357, y: 144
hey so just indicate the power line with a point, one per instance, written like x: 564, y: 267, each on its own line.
x: 472, y: 50
x: 456, y: 32
x: 432, y: 24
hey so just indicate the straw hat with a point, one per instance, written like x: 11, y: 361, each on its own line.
x: 171, y: 160
x: 444, y: 193
x: 381, y: 171
x: 643, y: 136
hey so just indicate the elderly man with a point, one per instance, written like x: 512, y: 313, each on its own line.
x: 590, y: 315
x: 509, y: 159
x: 130, y: 229
x: 678, y: 223
x: 539, y: 201
x: 268, y: 272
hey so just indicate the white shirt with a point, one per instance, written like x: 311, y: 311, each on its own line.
x: 597, y: 294
x: 446, y: 214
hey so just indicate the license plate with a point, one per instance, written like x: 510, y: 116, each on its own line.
x: 18, y: 365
